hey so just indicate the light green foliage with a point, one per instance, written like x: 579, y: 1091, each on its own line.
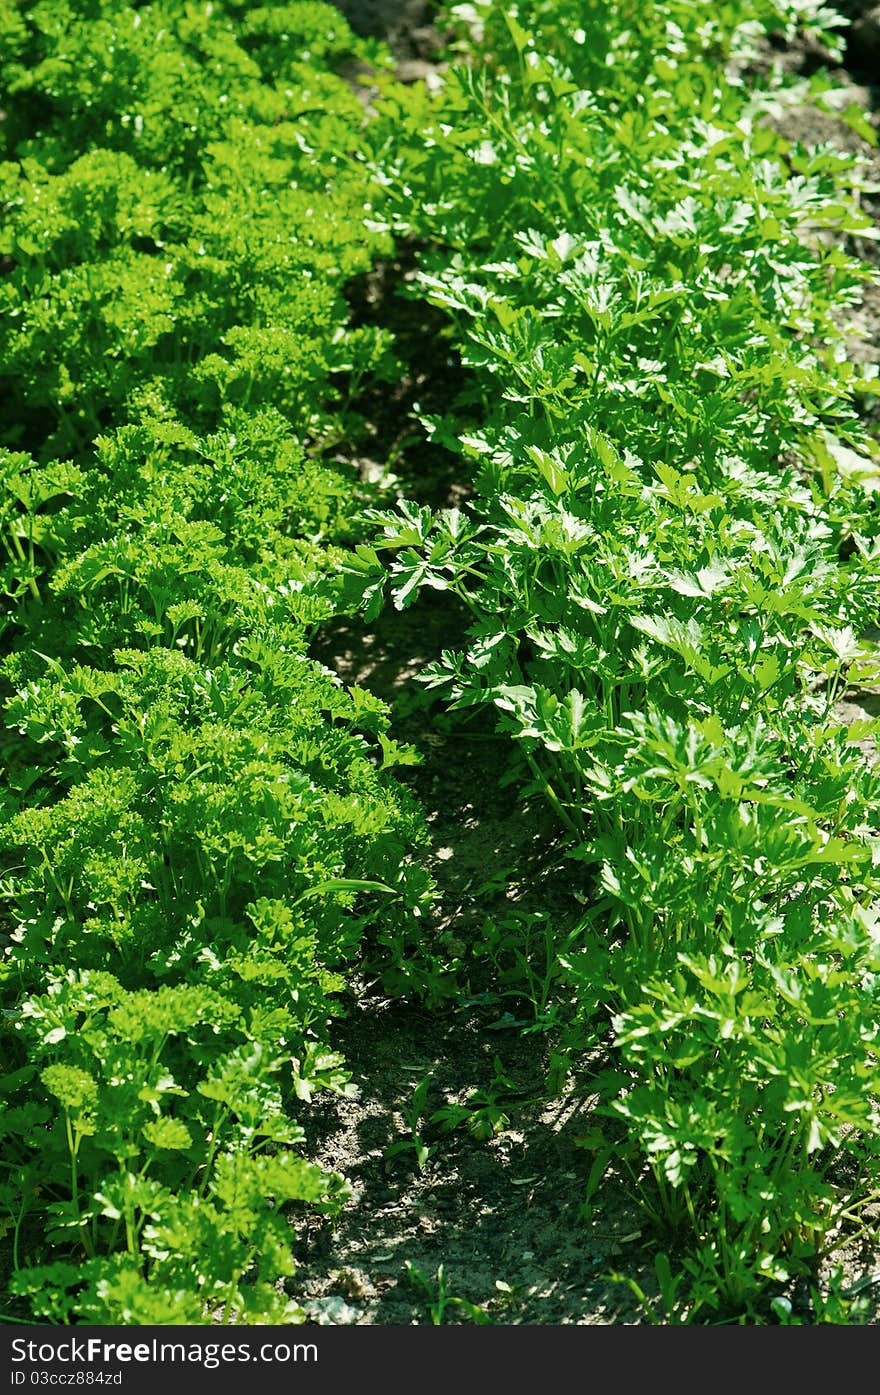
x: 200, y: 836
x: 168, y: 1099
x: 181, y: 212
x: 669, y: 577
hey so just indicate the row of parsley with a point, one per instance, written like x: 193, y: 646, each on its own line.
x: 198, y: 831
x: 671, y: 559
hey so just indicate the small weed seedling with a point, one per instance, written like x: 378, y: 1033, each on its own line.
x: 435, y: 1293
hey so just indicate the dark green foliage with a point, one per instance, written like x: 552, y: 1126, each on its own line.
x: 670, y: 564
